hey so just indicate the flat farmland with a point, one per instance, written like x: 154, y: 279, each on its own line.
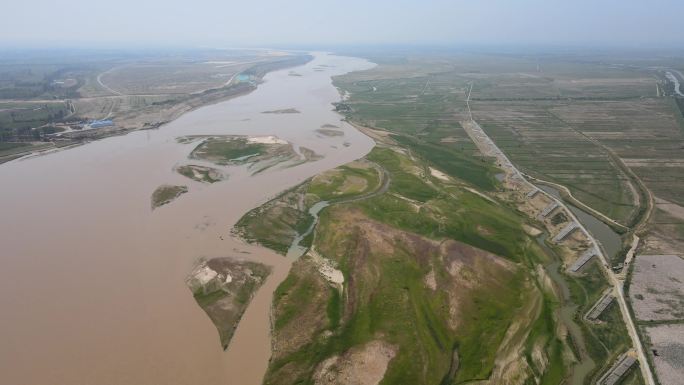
x: 576, y: 81
x: 25, y: 114
x: 544, y: 145
x: 143, y: 109
x: 656, y: 289
x: 166, y: 78
x: 645, y: 133
x: 404, y: 100
x: 667, y: 341
x: 666, y: 229
x: 562, y: 141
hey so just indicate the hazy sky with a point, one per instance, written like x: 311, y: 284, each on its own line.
x: 315, y: 22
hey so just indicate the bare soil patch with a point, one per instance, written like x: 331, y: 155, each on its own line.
x: 667, y: 341
x: 365, y: 365
x: 657, y: 287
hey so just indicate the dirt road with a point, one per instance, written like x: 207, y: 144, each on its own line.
x: 106, y: 87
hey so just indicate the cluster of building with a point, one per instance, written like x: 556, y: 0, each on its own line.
x: 101, y: 123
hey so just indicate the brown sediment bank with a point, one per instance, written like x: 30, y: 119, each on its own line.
x: 100, y: 297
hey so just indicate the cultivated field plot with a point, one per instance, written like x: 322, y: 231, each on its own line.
x: 657, y: 288
x: 666, y: 229
x: 28, y: 114
x: 554, y: 113
x: 43, y: 77
x: 554, y: 79
x: 645, y: 133
x: 561, y: 141
x: 540, y: 143
x: 667, y: 341
x: 174, y: 78
x: 409, y: 97
x: 127, y: 109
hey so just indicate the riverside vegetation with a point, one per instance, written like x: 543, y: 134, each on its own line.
x: 441, y: 279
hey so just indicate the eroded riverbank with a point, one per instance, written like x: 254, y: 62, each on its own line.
x: 93, y: 280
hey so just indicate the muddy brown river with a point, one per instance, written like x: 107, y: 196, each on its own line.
x: 92, y: 280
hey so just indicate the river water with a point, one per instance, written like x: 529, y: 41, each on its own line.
x: 566, y: 314
x: 92, y: 280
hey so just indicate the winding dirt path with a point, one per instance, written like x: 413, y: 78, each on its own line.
x: 106, y: 87
x: 385, y: 180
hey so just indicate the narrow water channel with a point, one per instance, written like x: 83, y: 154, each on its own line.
x: 609, y: 239
x: 296, y: 249
x: 566, y: 314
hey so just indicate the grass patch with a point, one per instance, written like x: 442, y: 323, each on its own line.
x: 206, y: 299
x: 344, y: 182
x: 497, y: 228
x: 403, y: 182
x: 200, y: 173
x: 276, y: 223
x: 334, y: 308
x: 389, y: 293
x: 226, y: 150
x: 478, y: 172
x: 165, y: 194
x: 4, y: 146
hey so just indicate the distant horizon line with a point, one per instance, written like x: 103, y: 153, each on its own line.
x: 441, y: 46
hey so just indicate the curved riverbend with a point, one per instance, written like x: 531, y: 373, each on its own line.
x: 92, y: 281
